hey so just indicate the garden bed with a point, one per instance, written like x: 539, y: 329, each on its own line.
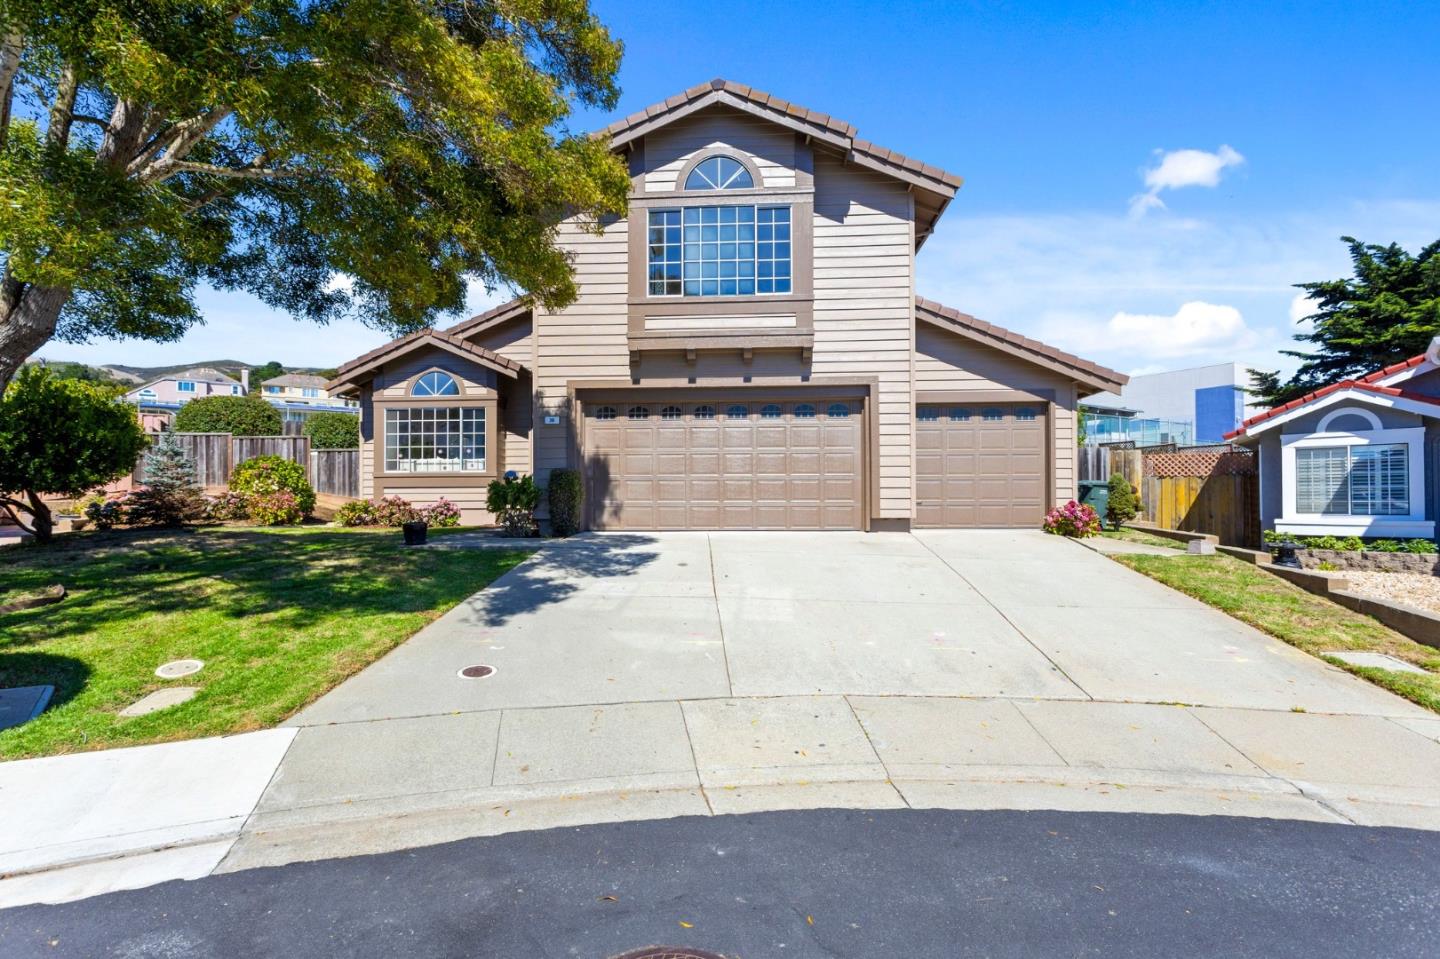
x: 1421, y: 590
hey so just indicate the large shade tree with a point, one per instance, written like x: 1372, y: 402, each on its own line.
x: 1387, y: 312
x: 405, y: 147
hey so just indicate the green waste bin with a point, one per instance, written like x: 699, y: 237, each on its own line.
x: 1096, y: 495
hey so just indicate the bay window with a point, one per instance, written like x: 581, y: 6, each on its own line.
x: 435, y: 439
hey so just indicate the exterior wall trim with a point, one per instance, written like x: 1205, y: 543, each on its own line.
x: 984, y: 396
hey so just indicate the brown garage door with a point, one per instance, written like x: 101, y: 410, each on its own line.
x: 724, y: 464
x: 980, y: 465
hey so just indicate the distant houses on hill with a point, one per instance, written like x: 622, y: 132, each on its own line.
x: 296, y: 395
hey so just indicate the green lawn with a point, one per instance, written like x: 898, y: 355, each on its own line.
x: 278, y: 615
x: 1302, y: 619
x: 1143, y: 538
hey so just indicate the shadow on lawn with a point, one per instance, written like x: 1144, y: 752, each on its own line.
x: 297, y: 580
x: 66, y: 674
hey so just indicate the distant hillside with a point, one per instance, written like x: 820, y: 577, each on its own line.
x: 145, y: 374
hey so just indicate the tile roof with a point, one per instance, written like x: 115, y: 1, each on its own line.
x: 492, y: 317
x: 1367, y: 383
x: 296, y: 379
x: 201, y: 374
x: 1083, y: 370
x: 419, y: 338
x: 829, y: 128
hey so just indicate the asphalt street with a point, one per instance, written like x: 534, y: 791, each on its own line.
x: 819, y: 883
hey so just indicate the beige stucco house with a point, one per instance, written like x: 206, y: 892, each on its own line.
x: 747, y: 351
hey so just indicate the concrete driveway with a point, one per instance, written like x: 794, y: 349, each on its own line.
x: 625, y: 618
x: 652, y: 676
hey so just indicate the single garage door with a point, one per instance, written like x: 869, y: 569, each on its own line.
x: 724, y: 464
x: 980, y: 465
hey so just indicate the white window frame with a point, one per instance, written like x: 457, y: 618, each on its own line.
x: 185, y: 386
x: 1413, y: 523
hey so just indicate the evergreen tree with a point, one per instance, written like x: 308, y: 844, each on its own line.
x: 170, y: 496
x: 1387, y: 312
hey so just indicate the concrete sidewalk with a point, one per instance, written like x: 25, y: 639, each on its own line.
x: 648, y: 676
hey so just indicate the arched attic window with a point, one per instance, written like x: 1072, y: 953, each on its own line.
x: 719, y: 173
x: 435, y: 384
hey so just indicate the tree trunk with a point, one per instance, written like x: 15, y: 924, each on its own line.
x: 42, y: 522
x: 27, y: 322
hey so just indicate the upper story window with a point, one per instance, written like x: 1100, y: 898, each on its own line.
x: 272, y: 389
x: 719, y: 251
x: 719, y: 173
x: 435, y: 384
x: 234, y: 391
x: 310, y: 391
x: 185, y: 386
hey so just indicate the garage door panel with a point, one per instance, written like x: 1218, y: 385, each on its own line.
x: 724, y: 465
x: 983, y: 467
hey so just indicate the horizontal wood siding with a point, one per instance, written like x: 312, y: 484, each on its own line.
x: 771, y: 147
x: 394, y: 378
x: 864, y: 307
x: 946, y: 361
x: 469, y: 495
x: 515, y: 341
x: 584, y: 341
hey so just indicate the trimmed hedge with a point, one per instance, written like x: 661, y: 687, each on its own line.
x: 259, y: 478
x: 332, y: 431
x: 238, y: 415
x: 567, y: 495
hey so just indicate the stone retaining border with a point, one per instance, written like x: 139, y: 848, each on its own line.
x: 1369, y: 560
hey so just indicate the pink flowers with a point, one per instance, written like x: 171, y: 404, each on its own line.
x: 1072, y: 519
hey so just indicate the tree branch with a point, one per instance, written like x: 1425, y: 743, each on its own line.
x: 10, y: 507
x: 11, y: 47
x: 250, y: 171
x: 175, y: 143
x: 62, y: 111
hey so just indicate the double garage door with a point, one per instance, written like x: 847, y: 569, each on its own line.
x: 790, y: 464
x: 979, y: 465
x: 725, y: 464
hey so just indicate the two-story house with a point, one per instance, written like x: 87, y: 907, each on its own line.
x: 747, y: 351
x: 175, y: 389
x: 304, y: 388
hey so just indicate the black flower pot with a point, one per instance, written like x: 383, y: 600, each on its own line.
x: 415, y: 532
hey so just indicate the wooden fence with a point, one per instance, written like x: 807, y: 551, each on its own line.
x: 210, y: 452
x: 1205, y: 491
x: 336, y: 472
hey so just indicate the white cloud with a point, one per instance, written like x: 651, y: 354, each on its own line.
x: 1197, y: 327
x: 1178, y: 169
x: 1300, y: 308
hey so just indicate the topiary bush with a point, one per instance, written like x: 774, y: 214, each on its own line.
x: 263, y: 475
x: 1123, y: 504
x: 567, y: 497
x: 513, y: 500
x: 332, y: 431
x: 240, y: 415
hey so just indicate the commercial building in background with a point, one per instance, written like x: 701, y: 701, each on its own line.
x: 1196, y: 405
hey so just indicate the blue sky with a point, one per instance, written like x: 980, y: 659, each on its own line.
x: 1144, y: 181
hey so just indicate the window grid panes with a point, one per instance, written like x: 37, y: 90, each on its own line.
x: 737, y: 410
x: 705, y: 412
x: 928, y: 413
x: 719, y: 251
x: 992, y: 414
x: 805, y: 412
x: 638, y: 413
x: 436, y: 384
x: 959, y: 413
x: 671, y: 413
x: 838, y: 410
x: 719, y: 173
x: 435, y: 439
x: 1024, y: 414
x: 605, y: 413
x: 770, y: 411
x: 1353, y: 480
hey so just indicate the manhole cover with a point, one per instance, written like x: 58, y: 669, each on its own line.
x: 178, y: 668
x: 477, y: 672
x: 670, y: 952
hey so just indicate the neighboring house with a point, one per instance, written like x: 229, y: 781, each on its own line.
x: 1196, y: 405
x: 1353, y: 458
x: 299, y: 395
x: 158, y: 400
x: 746, y: 352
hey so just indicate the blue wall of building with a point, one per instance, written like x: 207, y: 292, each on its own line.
x: 1218, y: 410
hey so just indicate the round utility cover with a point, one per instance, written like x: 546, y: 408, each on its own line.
x: 670, y: 952
x: 179, y: 667
x: 477, y: 672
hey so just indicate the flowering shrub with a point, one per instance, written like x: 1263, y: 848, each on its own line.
x: 280, y: 508
x: 441, y: 513
x: 226, y: 507
x: 360, y: 512
x: 1072, y: 519
x: 262, y: 475
x: 395, y: 511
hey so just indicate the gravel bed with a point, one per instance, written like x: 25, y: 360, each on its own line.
x: 1412, y: 589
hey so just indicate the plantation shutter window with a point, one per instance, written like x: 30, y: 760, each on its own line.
x: 1353, y: 480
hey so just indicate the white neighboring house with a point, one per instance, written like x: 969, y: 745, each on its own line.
x: 159, y: 399
x: 1353, y: 458
x: 297, y: 395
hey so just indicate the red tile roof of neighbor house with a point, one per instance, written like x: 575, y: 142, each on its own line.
x: 1369, y: 383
